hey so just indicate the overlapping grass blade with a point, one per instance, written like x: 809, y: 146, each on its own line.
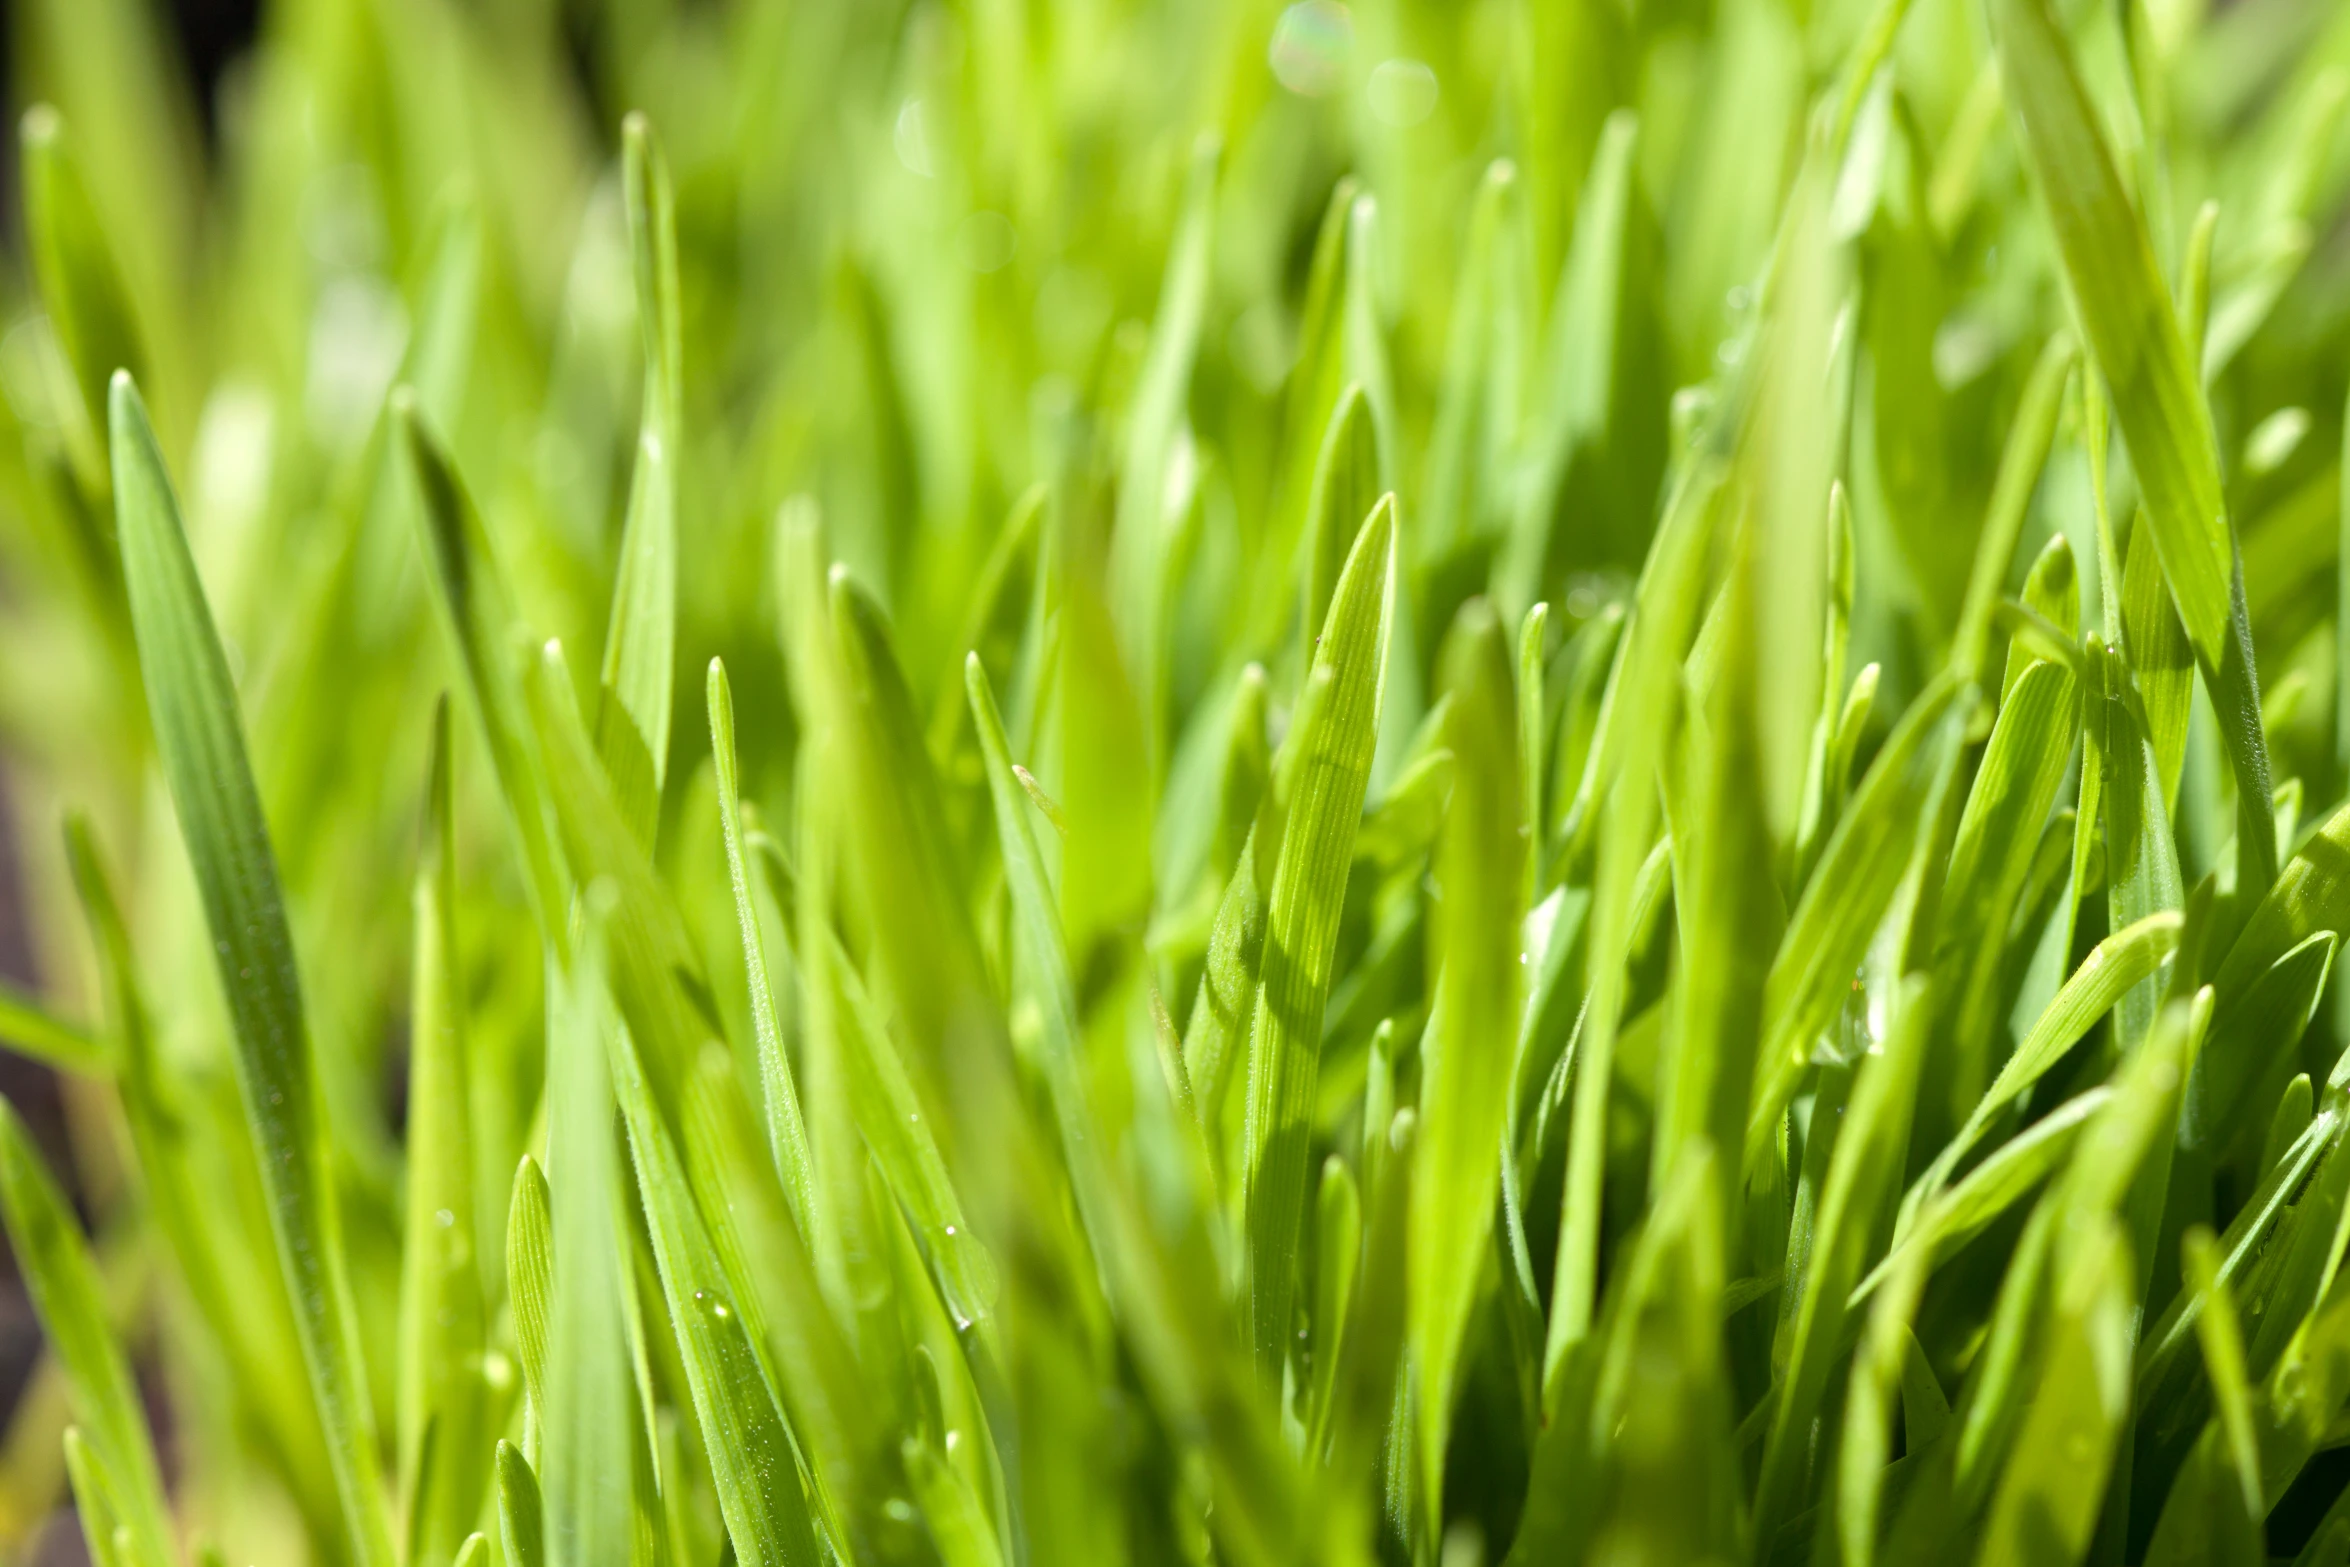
x: 1327, y: 771
x: 442, y: 1409
x: 199, y: 736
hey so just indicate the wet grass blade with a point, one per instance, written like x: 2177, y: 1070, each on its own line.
x: 200, y: 738
x: 787, y: 1134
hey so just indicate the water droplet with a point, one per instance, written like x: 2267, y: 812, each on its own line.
x: 912, y: 139
x: 1402, y: 92
x: 444, y: 1218
x: 1311, y: 43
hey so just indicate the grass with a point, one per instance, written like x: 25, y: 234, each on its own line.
x: 990, y: 784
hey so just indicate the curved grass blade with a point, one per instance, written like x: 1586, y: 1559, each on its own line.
x: 1330, y: 771
x: 200, y: 739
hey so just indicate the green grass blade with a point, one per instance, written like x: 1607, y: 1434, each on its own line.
x: 2134, y: 338
x: 478, y: 611
x: 530, y: 1283
x: 787, y: 1134
x: 1465, y: 1090
x: 81, y: 284
x: 1860, y: 868
x: 521, y: 1523
x: 200, y: 738
x: 587, y: 1431
x: 70, y: 1297
x: 2020, y: 463
x: 633, y: 710
x: 1330, y: 768
x: 442, y: 1318
x: 1870, y: 1148
x: 31, y: 1029
x: 2046, y: 1506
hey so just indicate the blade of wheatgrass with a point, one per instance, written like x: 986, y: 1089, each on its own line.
x: 2312, y: 893
x: 588, y: 1430
x: 2020, y: 462
x: 1345, y: 489
x: 1154, y: 429
x: 442, y: 1326
x: 1620, y: 776
x: 1858, y: 873
x: 30, y: 1029
x: 1869, y: 1151
x: 900, y: 1139
x: 2014, y: 791
x: 109, y: 1541
x: 1464, y: 1098
x: 1330, y: 770
x: 70, y: 1298
x: 755, y: 1459
x: 633, y: 710
x: 477, y: 610
x: 80, y: 283
x: 787, y: 1134
x: 2134, y: 338
x: 199, y: 736
x: 530, y: 1283
x: 2047, y: 1503
x: 213, y: 1240
x: 521, y: 1521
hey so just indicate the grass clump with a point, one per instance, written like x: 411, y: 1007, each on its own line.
x: 1247, y: 784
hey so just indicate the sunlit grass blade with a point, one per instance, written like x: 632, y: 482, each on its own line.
x: 2136, y: 343
x: 1464, y: 1099
x: 1329, y: 770
x: 199, y: 736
